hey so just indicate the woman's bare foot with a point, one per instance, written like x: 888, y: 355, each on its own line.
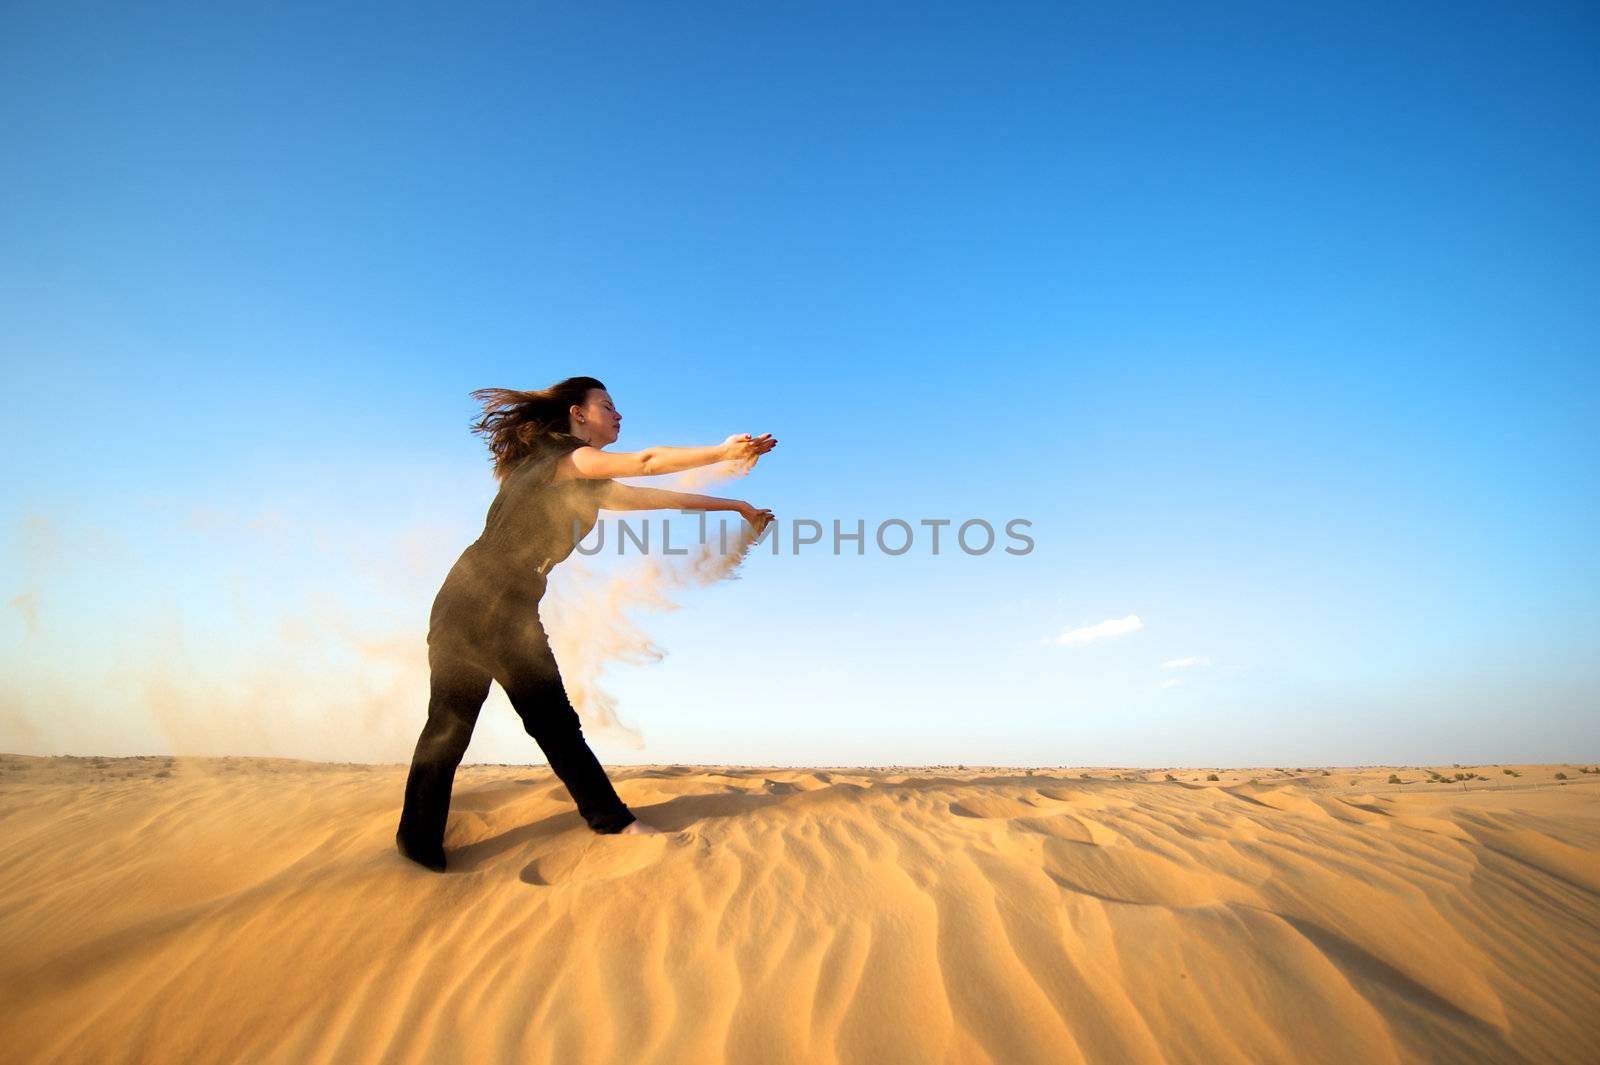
x: 639, y: 828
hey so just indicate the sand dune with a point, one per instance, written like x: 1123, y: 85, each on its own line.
x: 255, y: 910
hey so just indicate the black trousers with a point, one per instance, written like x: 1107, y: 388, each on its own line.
x: 462, y: 661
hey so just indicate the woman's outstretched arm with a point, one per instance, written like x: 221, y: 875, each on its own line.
x: 632, y: 497
x: 592, y: 462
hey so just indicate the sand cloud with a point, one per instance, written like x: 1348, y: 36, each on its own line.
x: 226, y: 631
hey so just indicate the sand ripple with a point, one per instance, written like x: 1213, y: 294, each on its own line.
x: 254, y: 910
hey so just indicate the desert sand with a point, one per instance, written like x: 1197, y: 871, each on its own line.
x: 255, y: 910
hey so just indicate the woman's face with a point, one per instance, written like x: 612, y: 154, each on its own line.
x: 598, y: 419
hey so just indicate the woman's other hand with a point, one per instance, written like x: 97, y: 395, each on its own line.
x: 758, y: 517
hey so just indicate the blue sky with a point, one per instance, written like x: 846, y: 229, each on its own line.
x: 1279, y: 325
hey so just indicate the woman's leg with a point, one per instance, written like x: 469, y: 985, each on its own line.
x: 533, y: 683
x: 457, y: 689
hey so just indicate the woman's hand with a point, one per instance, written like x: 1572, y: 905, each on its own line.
x: 742, y: 447
x: 758, y: 517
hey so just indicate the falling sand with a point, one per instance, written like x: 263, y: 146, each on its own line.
x: 590, y: 616
x: 159, y: 909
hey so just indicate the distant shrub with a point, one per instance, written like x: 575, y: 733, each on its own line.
x: 1508, y: 772
x: 1561, y: 776
x: 1326, y: 773
x: 1171, y: 777
x: 1212, y: 776
x: 1463, y: 776
x: 1394, y: 778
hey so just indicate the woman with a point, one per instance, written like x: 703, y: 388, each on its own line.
x: 555, y: 474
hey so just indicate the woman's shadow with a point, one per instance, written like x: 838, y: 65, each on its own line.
x: 563, y: 840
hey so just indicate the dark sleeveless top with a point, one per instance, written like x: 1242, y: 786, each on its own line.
x: 532, y: 525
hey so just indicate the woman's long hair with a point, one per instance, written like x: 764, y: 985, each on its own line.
x: 517, y: 425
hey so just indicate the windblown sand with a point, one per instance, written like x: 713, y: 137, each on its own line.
x: 255, y: 910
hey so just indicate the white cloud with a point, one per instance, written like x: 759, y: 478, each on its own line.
x: 1172, y: 682
x: 1102, y: 630
x: 1185, y: 663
